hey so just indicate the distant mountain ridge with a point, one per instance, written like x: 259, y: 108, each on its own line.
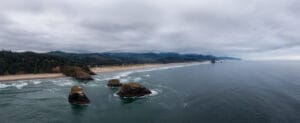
x: 30, y: 62
x: 135, y: 58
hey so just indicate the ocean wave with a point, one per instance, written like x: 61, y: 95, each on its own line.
x: 137, y: 79
x: 171, y: 67
x: 124, y: 80
x: 124, y: 75
x: 4, y: 85
x: 36, y: 82
x: 91, y: 84
x: 98, y: 79
x: 63, y: 82
x: 18, y: 85
x: 154, y: 92
x: 116, y: 95
x: 127, y: 73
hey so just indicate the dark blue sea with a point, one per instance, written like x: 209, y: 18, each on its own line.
x: 228, y: 92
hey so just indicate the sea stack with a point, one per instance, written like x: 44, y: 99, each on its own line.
x: 213, y: 61
x: 77, y: 96
x: 133, y: 90
x: 114, y: 83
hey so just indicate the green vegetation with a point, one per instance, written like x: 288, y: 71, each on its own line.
x: 106, y: 59
x: 29, y: 62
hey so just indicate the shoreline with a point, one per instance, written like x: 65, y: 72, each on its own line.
x: 8, y: 78
x: 97, y: 70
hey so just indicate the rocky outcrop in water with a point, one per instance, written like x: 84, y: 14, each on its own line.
x: 133, y: 90
x: 114, y: 83
x: 77, y: 96
x: 77, y: 73
x: 213, y: 61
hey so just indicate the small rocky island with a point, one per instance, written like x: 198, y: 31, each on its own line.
x: 77, y: 96
x: 114, y: 83
x: 133, y: 90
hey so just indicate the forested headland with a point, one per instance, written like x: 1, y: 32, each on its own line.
x: 12, y: 63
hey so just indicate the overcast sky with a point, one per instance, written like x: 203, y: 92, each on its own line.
x: 250, y: 29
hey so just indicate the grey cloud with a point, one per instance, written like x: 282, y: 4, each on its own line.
x: 240, y: 28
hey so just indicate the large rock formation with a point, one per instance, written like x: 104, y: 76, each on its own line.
x: 213, y: 61
x: 133, y: 90
x: 77, y: 96
x: 114, y: 83
x: 77, y: 72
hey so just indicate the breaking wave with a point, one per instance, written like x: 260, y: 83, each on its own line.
x: 124, y: 76
x: 18, y: 85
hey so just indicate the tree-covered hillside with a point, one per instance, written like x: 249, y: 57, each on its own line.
x: 93, y: 59
x: 30, y: 62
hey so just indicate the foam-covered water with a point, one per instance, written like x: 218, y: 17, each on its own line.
x: 18, y: 85
x: 231, y: 92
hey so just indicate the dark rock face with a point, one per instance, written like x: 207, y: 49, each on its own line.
x: 114, y: 83
x: 81, y: 75
x: 77, y: 96
x: 77, y: 72
x: 133, y: 90
x: 213, y: 61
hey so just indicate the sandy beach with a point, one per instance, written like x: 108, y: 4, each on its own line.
x: 30, y: 76
x: 125, y: 67
x: 104, y: 69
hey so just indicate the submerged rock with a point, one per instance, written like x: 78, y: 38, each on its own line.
x: 133, y: 90
x: 77, y: 96
x: 114, y: 83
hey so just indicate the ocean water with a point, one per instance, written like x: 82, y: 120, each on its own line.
x: 229, y: 92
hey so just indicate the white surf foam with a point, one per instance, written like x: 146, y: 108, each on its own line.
x: 116, y: 95
x: 91, y: 84
x: 137, y: 79
x: 4, y: 85
x: 154, y: 92
x: 166, y: 67
x: 123, y: 76
x: 124, y: 80
x: 37, y: 82
x: 18, y: 85
x: 98, y: 79
x: 63, y: 82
